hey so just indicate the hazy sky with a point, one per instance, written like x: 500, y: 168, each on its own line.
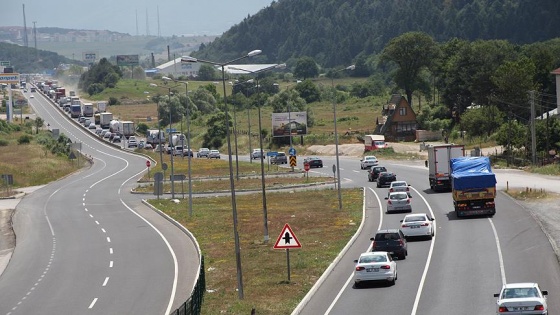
x: 176, y: 17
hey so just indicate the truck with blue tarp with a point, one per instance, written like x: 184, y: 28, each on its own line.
x: 473, y: 186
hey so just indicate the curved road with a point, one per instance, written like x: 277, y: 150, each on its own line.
x: 85, y: 244
x: 457, y: 272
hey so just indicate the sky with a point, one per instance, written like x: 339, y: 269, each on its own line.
x: 176, y: 17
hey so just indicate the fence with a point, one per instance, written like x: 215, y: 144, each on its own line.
x: 193, y: 305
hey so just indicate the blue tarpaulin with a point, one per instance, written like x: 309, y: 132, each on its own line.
x: 471, y: 173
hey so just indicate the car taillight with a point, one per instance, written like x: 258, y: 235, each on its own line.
x: 401, y: 242
x: 360, y: 268
x: 385, y: 267
x: 404, y: 225
x: 389, y: 202
x: 502, y: 309
x: 407, y: 201
x: 424, y: 224
x: 373, y: 244
x: 391, y: 190
x: 539, y: 308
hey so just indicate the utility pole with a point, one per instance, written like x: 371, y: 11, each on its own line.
x: 533, y: 130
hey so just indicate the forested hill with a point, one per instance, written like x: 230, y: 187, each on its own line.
x: 334, y: 32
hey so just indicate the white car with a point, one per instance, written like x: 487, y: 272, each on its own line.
x: 398, y: 201
x: 256, y: 154
x: 368, y: 161
x: 92, y: 125
x: 132, y: 142
x: 399, y: 185
x: 417, y: 224
x: 521, y: 298
x: 375, y: 266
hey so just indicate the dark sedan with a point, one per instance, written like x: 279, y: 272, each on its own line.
x: 313, y: 162
x: 374, y: 171
x: 385, y: 179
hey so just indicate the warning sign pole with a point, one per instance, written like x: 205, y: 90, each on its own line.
x: 286, y: 240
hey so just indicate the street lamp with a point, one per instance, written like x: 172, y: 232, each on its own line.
x: 352, y: 67
x: 248, y: 121
x: 188, y: 138
x: 172, y: 150
x: 231, y: 181
x: 263, y: 185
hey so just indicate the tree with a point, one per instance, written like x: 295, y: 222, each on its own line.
x: 412, y: 52
x: 308, y: 91
x: 512, y: 134
x: 481, y: 121
x: 216, y: 132
x: 39, y: 122
x: 206, y: 73
x: 306, y: 68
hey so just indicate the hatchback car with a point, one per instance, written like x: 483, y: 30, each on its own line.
x: 375, y: 266
x: 257, y: 153
x: 202, y: 152
x: 398, y: 201
x: 214, y: 154
x: 521, y: 298
x: 385, y: 179
x: 368, y: 161
x: 391, y: 241
x: 132, y: 143
x: 374, y: 172
x: 280, y: 158
x: 313, y: 162
x: 116, y: 139
x: 417, y: 224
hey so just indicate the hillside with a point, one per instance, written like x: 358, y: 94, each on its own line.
x: 335, y: 32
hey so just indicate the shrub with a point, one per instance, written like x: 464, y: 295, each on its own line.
x: 24, y: 139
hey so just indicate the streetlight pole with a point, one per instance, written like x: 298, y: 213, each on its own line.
x: 352, y: 67
x: 263, y: 185
x: 188, y: 138
x: 172, y: 149
x: 231, y: 181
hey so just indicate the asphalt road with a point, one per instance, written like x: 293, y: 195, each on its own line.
x: 85, y: 244
x: 458, y: 271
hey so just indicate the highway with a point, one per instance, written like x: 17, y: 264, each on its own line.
x: 86, y: 245
x: 457, y: 272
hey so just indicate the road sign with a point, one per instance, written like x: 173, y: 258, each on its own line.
x: 158, y: 177
x: 271, y: 153
x: 148, y: 163
x: 164, y: 166
x: 292, y: 151
x: 4, y: 63
x: 9, y: 77
x: 306, y: 167
x: 287, y: 239
x: 293, y: 160
x: 178, y: 177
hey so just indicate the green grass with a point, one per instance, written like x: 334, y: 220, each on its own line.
x: 314, y: 217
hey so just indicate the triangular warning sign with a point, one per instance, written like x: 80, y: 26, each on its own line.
x: 287, y: 239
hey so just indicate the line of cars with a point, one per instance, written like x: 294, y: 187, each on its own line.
x: 379, y: 265
x: 389, y: 244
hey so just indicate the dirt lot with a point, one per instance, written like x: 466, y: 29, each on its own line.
x: 358, y: 149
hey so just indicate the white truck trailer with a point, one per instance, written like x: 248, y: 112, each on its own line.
x: 438, y: 163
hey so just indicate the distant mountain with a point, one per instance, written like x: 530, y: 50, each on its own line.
x: 335, y: 32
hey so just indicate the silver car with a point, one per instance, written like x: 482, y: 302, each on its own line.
x: 214, y: 154
x: 398, y: 201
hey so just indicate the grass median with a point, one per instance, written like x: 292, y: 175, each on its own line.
x: 313, y: 215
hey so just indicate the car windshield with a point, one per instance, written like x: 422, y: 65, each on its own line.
x: 415, y: 218
x: 398, y: 196
x: 372, y: 258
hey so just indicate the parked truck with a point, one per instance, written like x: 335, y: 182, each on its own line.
x: 374, y: 142
x: 155, y: 136
x: 128, y: 128
x: 438, y: 163
x: 101, y: 106
x: 473, y: 186
x: 87, y: 109
x: 105, y: 120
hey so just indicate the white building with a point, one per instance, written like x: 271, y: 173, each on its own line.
x: 176, y: 68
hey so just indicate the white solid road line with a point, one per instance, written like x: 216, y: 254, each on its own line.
x: 500, y: 257
x: 428, y: 260
x: 339, y: 294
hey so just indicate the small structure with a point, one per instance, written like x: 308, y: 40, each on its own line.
x: 398, y: 122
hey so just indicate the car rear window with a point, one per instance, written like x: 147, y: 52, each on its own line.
x: 386, y: 236
x: 415, y: 218
x: 398, y: 196
x: 398, y: 184
x: 373, y: 258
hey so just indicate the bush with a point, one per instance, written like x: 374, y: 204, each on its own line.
x: 24, y: 139
x: 3, y: 143
x: 114, y: 101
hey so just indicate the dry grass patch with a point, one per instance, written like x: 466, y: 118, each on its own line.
x: 530, y: 194
x: 314, y: 217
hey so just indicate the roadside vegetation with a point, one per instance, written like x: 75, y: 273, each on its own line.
x: 313, y: 215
